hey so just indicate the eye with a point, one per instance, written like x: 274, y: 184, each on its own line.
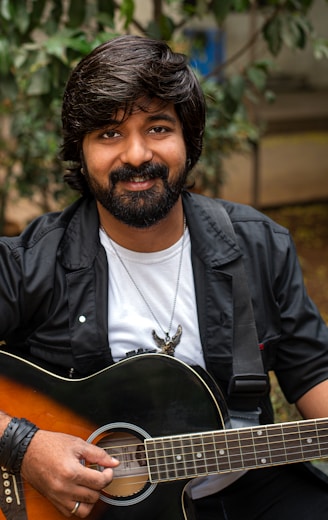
x: 110, y: 134
x: 159, y: 130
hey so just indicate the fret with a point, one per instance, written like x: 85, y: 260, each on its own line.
x: 189, y: 460
x: 322, y: 432
x: 212, y: 465
x: 293, y: 443
x: 301, y: 444
x: 309, y: 440
x: 198, y: 454
x: 234, y: 450
x: 157, y: 461
x: 262, y: 446
x: 222, y: 451
x: 276, y: 440
x: 248, y: 456
x: 168, y: 459
x: 194, y: 455
x: 179, y: 457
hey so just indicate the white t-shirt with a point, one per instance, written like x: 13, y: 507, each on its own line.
x: 130, y: 322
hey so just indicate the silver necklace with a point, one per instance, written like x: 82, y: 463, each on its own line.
x: 168, y: 343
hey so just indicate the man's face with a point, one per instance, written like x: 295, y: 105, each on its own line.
x: 136, y: 168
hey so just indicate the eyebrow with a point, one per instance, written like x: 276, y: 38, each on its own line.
x: 151, y: 118
x: 162, y: 117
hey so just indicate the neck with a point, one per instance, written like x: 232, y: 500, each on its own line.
x: 160, y: 236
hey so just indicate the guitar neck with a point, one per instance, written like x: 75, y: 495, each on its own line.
x: 187, y: 456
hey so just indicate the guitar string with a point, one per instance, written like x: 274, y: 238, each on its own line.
x: 317, y: 434
x: 173, y: 464
x: 305, y: 433
x: 320, y: 437
x: 269, y: 451
x: 229, y: 436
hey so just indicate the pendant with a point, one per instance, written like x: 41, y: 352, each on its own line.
x: 168, y: 344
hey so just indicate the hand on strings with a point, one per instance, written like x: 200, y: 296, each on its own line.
x: 52, y: 465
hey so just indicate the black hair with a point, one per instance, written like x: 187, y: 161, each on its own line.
x: 116, y: 76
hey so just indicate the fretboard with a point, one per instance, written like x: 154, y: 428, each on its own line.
x: 199, y: 454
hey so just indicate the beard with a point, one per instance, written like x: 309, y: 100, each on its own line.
x: 144, y: 208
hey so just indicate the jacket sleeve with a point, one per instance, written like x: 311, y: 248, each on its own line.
x: 302, y: 351
x: 11, y: 293
x: 292, y: 334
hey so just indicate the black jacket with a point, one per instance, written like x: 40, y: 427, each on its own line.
x: 54, y: 287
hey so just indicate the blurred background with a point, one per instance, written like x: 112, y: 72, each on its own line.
x: 263, y: 65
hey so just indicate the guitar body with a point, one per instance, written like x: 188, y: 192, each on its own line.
x: 144, y: 396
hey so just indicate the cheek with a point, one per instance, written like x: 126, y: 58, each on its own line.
x: 177, y: 154
x: 97, y: 160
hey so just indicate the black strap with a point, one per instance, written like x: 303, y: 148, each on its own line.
x: 249, y: 382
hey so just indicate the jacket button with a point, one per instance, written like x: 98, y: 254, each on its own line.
x: 82, y: 319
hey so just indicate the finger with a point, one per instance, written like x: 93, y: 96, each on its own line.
x: 94, y: 480
x: 80, y: 509
x: 95, y: 455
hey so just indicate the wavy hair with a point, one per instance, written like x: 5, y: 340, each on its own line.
x: 116, y: 76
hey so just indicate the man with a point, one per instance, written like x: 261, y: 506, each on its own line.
x: 139, y: 264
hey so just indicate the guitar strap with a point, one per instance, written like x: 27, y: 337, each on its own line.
x: 249, y: 382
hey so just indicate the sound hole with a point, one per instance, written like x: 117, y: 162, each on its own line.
x: 131, y: 479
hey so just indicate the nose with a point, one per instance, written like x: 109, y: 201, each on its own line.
x: 136, y: 151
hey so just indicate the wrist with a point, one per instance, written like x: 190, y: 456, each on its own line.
x: 15, y: 442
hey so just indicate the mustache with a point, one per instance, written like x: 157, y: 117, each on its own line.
x: 148, y: 171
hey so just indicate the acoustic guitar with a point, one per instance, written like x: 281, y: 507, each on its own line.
x: 165, y: 421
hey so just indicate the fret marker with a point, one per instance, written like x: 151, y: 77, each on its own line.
x: 199, y: 455
x: 263, y: 461
x: 179, y: 458
x: 221, y: 452
x: 259, y: 432
x: 309, y: 440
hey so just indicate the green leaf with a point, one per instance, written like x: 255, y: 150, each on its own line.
x: 127, y: 12
x: 257, y: 77
x: 320, y: 48
x: 272, y: 33
x: 20, y: 57
x: 5, y: 9
x: 166, y: 27
x: 236, y: 87
x: 153, y: 30
x: 21, y: 17
x: 57, y: 44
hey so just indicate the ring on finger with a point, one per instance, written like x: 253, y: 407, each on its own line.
x: 75, y: 508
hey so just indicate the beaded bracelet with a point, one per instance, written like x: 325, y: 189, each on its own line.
x: 14, y: 443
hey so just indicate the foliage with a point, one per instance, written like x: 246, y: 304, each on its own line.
x: 40, y: 41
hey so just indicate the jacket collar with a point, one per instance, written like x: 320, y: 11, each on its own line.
x: 80, y: 244
x: 206, y: 231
